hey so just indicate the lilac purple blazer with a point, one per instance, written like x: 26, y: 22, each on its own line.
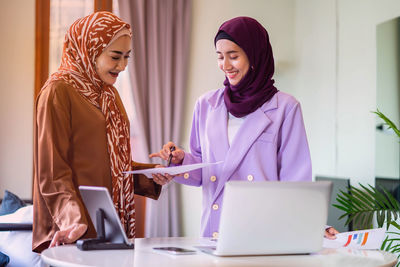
x: 271, y: 145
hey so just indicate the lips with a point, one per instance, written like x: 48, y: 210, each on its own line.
x: 231, y: 75
x: 114, y: 74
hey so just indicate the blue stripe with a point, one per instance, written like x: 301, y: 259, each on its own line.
x: 360, y: 238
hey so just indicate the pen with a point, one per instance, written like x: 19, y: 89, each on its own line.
x: 172, y: 148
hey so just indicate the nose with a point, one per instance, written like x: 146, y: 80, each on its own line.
x: 226, y: 65
x: 122, y: 64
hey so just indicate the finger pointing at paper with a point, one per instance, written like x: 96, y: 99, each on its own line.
x: 177, y: 155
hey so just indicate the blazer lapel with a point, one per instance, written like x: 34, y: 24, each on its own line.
x: 254, y: 124
x: 217, y: 132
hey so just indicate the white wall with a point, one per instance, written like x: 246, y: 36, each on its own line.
x: 325, y: 52
x: 16, y: 96
x: 387, y: 146
x: 315, y: 79
x: 357, y: 84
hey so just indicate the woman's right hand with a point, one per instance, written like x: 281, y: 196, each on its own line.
x: 177, y: 155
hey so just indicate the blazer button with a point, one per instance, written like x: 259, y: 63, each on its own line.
x: 186, y: 175
x: 250, y: 177
x: 215, y: 235
x: 213, y: 178
x: 215, y: 206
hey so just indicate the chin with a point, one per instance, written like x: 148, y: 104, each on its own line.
x: 110, y: 82
x: 233, y: 82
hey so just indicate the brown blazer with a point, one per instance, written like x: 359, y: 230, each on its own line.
x: 70, y: 149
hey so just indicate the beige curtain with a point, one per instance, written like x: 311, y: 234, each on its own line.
x: 158, y: 72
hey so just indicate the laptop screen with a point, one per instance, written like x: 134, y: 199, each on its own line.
x: 273, y: 217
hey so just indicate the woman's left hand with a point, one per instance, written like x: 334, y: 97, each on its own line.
x: 162, y: 179
x: 330, y: 233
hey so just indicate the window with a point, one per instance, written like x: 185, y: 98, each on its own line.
x: 62, y: 14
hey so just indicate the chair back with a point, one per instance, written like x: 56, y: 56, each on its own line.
x: 333, y: 212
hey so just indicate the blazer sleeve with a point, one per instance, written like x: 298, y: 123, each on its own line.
x: 294, y: 161
x: 143, y: 185
x: 193, y: 177
x: 54, y: 174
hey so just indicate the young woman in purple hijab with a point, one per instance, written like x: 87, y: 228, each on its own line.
x: 256, y: 130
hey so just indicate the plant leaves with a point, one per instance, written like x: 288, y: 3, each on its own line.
x: 340, y: 207
x: 388, y: 219
x: 360, y: 204
x: 388, y: 122
x: 393, y: 201
x: 366, y: 198
x: 395, y: 224
x: 381, y: 197
x: 383, y: 246
x: 376, y: 201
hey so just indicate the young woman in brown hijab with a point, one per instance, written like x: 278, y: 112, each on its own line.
x: 82, y: 135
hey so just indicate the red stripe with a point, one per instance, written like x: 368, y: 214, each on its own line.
x: 348, y: 241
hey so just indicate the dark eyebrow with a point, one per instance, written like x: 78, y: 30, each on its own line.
x: 229, y: 52
x: 119, y: 52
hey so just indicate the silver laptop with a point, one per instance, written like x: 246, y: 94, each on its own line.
x: 96, y: 198
x: 266, y: 218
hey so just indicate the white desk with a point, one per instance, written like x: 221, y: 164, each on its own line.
x: 143, y: 255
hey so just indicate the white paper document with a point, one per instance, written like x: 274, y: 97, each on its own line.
x: 174, y: 170
x: 365, y: 239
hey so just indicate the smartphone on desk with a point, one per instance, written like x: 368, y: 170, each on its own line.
x: 175, y: 250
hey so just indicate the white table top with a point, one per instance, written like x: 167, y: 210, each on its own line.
x: 144, y: 255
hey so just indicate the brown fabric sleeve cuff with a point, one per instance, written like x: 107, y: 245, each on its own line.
x: 70, y: 214
x: 143, y: 185
x: 142, y: 166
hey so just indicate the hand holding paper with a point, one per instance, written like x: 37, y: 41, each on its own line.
x: 366, y: 239
x: 174, y: 170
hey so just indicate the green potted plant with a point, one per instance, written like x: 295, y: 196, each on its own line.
x: 361, y: 204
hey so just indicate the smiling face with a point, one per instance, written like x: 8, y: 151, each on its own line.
x: 113, y: 59
x: 232, y: 60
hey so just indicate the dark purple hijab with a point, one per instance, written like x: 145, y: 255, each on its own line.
x: 257, y: 86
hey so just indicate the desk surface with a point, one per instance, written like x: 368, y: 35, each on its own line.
x: 144, y: 255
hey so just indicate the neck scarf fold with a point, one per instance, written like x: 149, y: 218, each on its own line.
x: 85, y: 40
x: 257, y: 86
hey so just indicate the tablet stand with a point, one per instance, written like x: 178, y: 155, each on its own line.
x: 100, y: 242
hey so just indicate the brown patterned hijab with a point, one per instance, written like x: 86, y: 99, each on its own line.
x: 85, y: 40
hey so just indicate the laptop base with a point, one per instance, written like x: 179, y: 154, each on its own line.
x: 212, y: 250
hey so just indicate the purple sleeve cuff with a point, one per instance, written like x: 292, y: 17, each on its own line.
x: 192, y: 177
